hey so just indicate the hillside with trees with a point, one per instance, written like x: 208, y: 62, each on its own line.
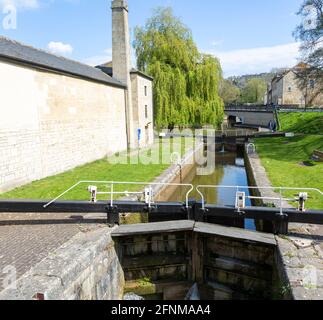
x: 241, y: 81
x: 248, y: 89
x: 186, y: 82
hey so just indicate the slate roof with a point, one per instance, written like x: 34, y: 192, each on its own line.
x: 142, y: 74
x: 20, y: 53
x: 107, y: 68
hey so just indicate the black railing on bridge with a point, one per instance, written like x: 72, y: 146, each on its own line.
x: 271, y: 108
x: 250, y: 108
x: 229, y: 134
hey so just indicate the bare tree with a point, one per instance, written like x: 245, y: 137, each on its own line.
x: 310, y: 33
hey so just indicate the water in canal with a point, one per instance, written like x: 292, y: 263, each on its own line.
x: 229, y: 170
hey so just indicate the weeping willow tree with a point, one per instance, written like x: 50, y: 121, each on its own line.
x: 186, y: 82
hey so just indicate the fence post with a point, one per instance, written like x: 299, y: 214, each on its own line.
x: 199, y: 212
x: 280, y: 225
x: 113, y: 217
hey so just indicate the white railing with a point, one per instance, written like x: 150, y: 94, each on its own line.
x: 240, y: 188
x: 253, y: 146
x: 149, y: 191
x: 112, y: 193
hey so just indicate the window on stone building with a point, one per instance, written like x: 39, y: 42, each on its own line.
x: 146, y: 91
x: 289, y: 89
x: 146, y: 112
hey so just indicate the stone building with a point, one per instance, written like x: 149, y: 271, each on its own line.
x: 142, y: 102
x: 56, y: 113
x: 287, y: 89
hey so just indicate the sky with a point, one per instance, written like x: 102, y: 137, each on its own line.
x: 248, y: 36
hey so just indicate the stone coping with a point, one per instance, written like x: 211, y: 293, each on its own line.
x: 192, y: 226
x: 58, y: 275
x: 300, y: 253
x: 151, y: 228
x: 235, y: 233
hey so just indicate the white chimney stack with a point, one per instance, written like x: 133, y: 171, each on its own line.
x: 121, y: 59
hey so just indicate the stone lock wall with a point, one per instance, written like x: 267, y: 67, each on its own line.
x: 51, y: 123
x: 224, y: 268
x: 84, y: 268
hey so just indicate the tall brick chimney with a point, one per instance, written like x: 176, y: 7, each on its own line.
x: 121, y: 59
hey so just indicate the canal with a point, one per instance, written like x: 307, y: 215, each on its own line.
x: 229, y: 170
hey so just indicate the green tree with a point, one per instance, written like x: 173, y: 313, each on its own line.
x: 229, y: 92
x: 254, y: 91
x: 186, y: 82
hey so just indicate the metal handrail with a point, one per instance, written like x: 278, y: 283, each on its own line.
x: 253, y: 146
x: 238, y: 188
x: 190, y: 186
x: 113, y: 183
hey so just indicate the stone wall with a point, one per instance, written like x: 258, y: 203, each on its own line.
x: 85, y: 268
x: 143, y: 99
x: 165, y: 259
x: 287, y: 91
x: 51, y: 123
x: 277, y: 92
x: 299, y: 255
x: 258, y: 177
x: 291, y: 93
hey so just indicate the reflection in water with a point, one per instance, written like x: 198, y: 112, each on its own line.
x: 229, y: 171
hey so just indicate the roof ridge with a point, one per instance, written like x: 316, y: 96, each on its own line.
x: 44, y: 51
x: 13, y: 49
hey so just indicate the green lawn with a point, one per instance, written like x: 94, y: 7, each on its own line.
x: 284, y: 158
x: 104, y: 170
x: 302, y: 122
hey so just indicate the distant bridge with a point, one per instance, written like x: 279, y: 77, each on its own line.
x: 229, y: 135
x: 251, y: 116
x: 260, y: 115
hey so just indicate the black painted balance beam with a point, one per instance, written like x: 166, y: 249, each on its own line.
x: 163, y: 210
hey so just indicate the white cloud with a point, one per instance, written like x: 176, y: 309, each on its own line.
x: 60, y: 48
x: 106, y: 56
x: 216, y: 43
x: 257, y: 60
x: 20, y: 4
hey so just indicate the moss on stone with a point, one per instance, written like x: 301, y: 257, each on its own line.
x: 134, y: 218
x: 141, y: 287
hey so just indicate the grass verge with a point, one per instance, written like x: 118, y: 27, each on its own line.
x: 288, y: 163
x: 142, y: 166
x: 302, y: 122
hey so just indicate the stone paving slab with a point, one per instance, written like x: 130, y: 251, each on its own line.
x: 28, y: 242
x: 84, y: 268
